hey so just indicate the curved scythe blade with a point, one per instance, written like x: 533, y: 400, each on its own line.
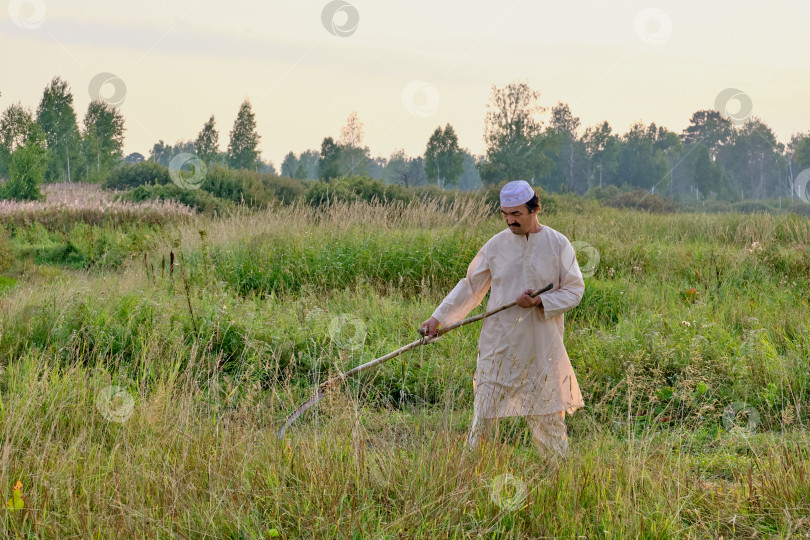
x: 321, y: 390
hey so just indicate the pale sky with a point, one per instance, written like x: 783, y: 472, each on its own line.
x: 406, y: 67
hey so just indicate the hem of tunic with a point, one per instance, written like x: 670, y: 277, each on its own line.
x: 570, y: 410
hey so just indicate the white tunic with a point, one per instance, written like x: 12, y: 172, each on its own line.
x: 523, y: 367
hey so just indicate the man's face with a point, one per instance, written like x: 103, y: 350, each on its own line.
x: 518, y: 218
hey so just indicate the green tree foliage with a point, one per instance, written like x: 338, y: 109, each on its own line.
x: 206, y: 146
x: 307, y: 165
x: 564, y: 126
x: 444, y: 160
x: 638, y: 165
x: 57, y: 118
x: 516, y: 145
x: 801, y: 150
x: 289, y: 165
x: 161, y: 153
x: 329, y: 160
x: 354, y: 157
x: 403, y: 170
x: 103, y: 137
x: 470, y: 178
x: 15, y: 125
x: 243, y: 148
x: 145, y: 173
x: 710, y: 128
x: 756, y: 160
x: 706, y: 173
x: 267, y: 167
x: 27, y: 167
x: 602, y: 151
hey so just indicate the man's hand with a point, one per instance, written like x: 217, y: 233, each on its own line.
x: 525, y: 300
x: 430, y: 327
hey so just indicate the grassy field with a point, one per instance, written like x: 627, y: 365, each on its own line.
x: 141, y: 394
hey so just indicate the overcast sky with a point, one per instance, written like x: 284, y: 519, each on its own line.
x: 405, y: 67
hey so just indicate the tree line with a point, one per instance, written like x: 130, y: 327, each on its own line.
x: 715, y: 157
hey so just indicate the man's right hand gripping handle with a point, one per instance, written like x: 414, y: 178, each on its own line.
x: 429, y: 327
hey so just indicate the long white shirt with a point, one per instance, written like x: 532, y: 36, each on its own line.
x: 522, y: 367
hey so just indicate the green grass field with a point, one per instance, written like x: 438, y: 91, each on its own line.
x: 211, y: 331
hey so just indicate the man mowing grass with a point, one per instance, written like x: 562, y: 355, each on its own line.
x: 523, y: 368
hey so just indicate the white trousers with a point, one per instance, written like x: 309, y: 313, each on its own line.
x: 549, y: 432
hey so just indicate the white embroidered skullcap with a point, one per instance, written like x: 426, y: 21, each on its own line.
x: 516, y: 193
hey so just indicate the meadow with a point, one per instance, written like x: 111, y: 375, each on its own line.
x: 145, y: 370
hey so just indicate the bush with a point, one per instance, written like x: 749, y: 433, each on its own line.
x: 800, y: 208
x: 603, y: 193
x: 640, y: 199
x: 287, y: 189
x: 354, y: 188
x: 748, y: 207
x: 27, y: 170
x: 706, y: 207
x: 252, y: 188
x: 140, y: 174
x: 199, y: 199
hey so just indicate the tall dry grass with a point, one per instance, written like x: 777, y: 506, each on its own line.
x: 68, y: 204
x: 383, y: 456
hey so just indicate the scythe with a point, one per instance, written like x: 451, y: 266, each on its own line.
x: 321, y: 390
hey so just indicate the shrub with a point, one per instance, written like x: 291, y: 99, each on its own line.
x: 800, y: 208
x: 252, y: 188
x: 287, y: 189
x: 748, y: 207
x: 27, y: 170
x: 640, y: 199
x: 140, y: 174
x: 354, y: 188
x: 199, y: 199
x: 603, y: 193
x: 708, y: 207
